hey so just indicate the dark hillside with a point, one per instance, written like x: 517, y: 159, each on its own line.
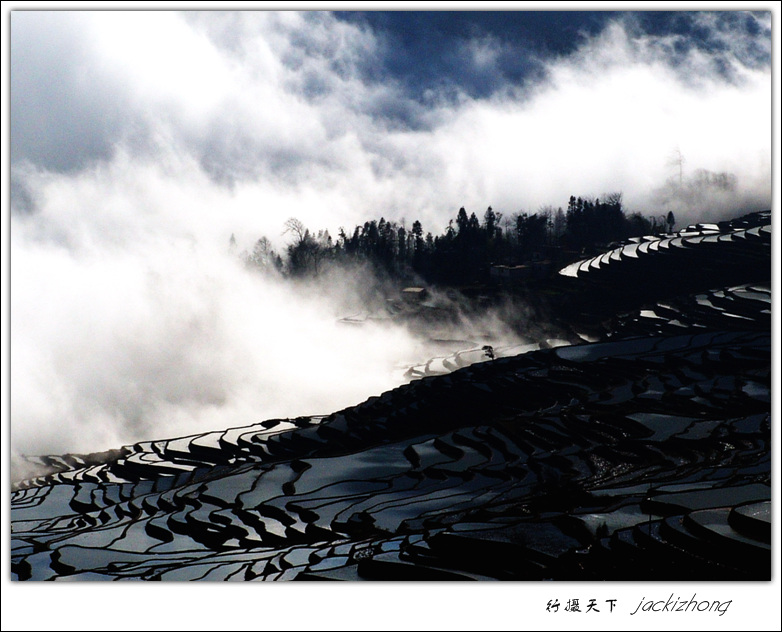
x: 644, y: 454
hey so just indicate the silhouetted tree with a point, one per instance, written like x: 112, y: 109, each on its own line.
x: 263, y: 258
x: 462, y: 220
x: 670, y: 220
x: 530, y: 235
x: 305, y: 253
x: 467, y: 248
x: 491, y: 222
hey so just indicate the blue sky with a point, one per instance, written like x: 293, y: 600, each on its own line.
x: 424, y: 48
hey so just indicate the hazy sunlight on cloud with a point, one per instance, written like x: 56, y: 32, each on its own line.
x: 142, y: 141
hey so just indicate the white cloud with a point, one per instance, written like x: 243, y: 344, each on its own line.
x: 152, y: 137
x: 607, y: 119
x: 275, y: 103
x: 164, y: 337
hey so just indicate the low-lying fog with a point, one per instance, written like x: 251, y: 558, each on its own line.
x: 168, y: 337
x: 131, y: 166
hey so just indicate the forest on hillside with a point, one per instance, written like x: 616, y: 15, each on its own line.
x: 468, y: 247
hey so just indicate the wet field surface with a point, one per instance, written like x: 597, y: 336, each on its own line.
x: 644, y: 454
